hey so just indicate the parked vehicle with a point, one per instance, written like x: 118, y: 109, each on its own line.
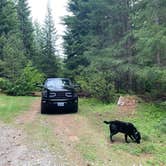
x: 58, y: 94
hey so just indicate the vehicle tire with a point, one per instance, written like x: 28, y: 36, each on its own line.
x: 43, y: 109
x: 75, y: 109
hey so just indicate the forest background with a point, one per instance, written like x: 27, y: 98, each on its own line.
x: 111, y: 47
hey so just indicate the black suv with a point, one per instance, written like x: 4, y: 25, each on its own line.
x: 59, y: 95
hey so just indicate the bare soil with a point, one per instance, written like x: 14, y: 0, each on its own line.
x: 71, y: 130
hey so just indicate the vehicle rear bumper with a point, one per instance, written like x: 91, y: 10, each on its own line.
x: 59, y: 105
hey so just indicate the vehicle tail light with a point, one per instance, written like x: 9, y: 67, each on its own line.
x: 68, y: 94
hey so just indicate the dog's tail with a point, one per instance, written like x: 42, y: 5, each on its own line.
x: 106, y: 122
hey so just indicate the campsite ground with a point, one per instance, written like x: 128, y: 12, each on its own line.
x: 81, y: 139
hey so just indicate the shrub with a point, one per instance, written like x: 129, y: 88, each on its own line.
x: 97, y: 83
x: 4, y: 84
x: 25, y: 84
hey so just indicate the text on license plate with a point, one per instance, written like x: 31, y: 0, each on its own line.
x: 60, y: 104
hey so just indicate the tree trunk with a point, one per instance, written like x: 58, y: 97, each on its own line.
x: 158, y: 58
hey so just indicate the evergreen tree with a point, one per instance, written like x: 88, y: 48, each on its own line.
x: 49, y: 63
x: 151, y: 34
x: 38, y: 43
x: 26, y: 27
x: 11, y: 51
x: 8, y: 21
x: 14, y: 58
x: 13, y: 71
x: 122, y: 40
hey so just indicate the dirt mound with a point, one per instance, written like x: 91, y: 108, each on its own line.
x: 127, y: 105
x: 127, y: 101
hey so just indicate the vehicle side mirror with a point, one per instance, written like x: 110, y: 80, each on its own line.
x: 77, y: 86
x: 39, y: 85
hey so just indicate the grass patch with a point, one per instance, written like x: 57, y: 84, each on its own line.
x: 87, y: 106
x: 87, y: 150
x: 10, y: 106
x: 151, y: 122
x: 92, y: 149
x: 149, y: 119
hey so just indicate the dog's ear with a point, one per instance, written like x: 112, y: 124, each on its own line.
x: 139, y: 134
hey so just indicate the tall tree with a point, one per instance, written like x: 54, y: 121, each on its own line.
x: 12, y: 58
x: 8, y: 21
x: 150, y: 32
x: 26, y: 27
x: 49, y: 63
x: 38, y: 43
x: 96, y: 26
x: 122, y: 39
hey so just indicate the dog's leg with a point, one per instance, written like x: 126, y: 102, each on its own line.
x: 126, y: 138
x: 113, y: 131
x: 111, y: 134
x: 132, y: 137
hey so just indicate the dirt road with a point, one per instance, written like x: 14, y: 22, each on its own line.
x: 57, y: 140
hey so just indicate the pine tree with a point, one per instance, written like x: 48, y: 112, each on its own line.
x: 12, y: 58
x: 49, y: 63
x: 124, y: 41
x: 151, y: 32
x: 8, y: 21
x: 38, y: 43
x: 26, y: 27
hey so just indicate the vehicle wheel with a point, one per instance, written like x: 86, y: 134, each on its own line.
x: 43, y: 109
x: 75, y: 109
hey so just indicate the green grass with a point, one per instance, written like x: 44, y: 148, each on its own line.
x: 88, y: 150
x: 89, y: 106
x: 10, y: 106
x: 151, y: 122
x: 149, y: 119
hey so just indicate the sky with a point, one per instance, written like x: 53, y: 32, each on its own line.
x: 59, y: 9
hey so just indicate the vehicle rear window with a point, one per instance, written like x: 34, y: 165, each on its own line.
x: 57, y: 83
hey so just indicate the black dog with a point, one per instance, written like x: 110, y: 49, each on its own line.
x: 124, y: 127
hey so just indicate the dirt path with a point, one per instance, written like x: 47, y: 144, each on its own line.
x: 17, y: 148
x: 15, y: 151
x: 30, y: 115
x: 66, y: 129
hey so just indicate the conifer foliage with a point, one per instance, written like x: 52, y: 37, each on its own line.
x: 25, y: 58
x: 25, y: 26
x: 49, y: 63
x: 121, y: 43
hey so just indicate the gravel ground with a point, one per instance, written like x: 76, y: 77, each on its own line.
x: 14, y: 151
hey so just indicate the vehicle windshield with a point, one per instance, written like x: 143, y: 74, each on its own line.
x: 57, y: 83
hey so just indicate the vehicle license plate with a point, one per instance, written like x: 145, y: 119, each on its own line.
x: 60, y: 104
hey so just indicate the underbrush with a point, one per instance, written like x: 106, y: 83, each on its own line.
x: 149, y: 119
x: 10, y: 106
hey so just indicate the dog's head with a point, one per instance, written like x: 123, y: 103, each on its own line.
x: 137, y: 137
